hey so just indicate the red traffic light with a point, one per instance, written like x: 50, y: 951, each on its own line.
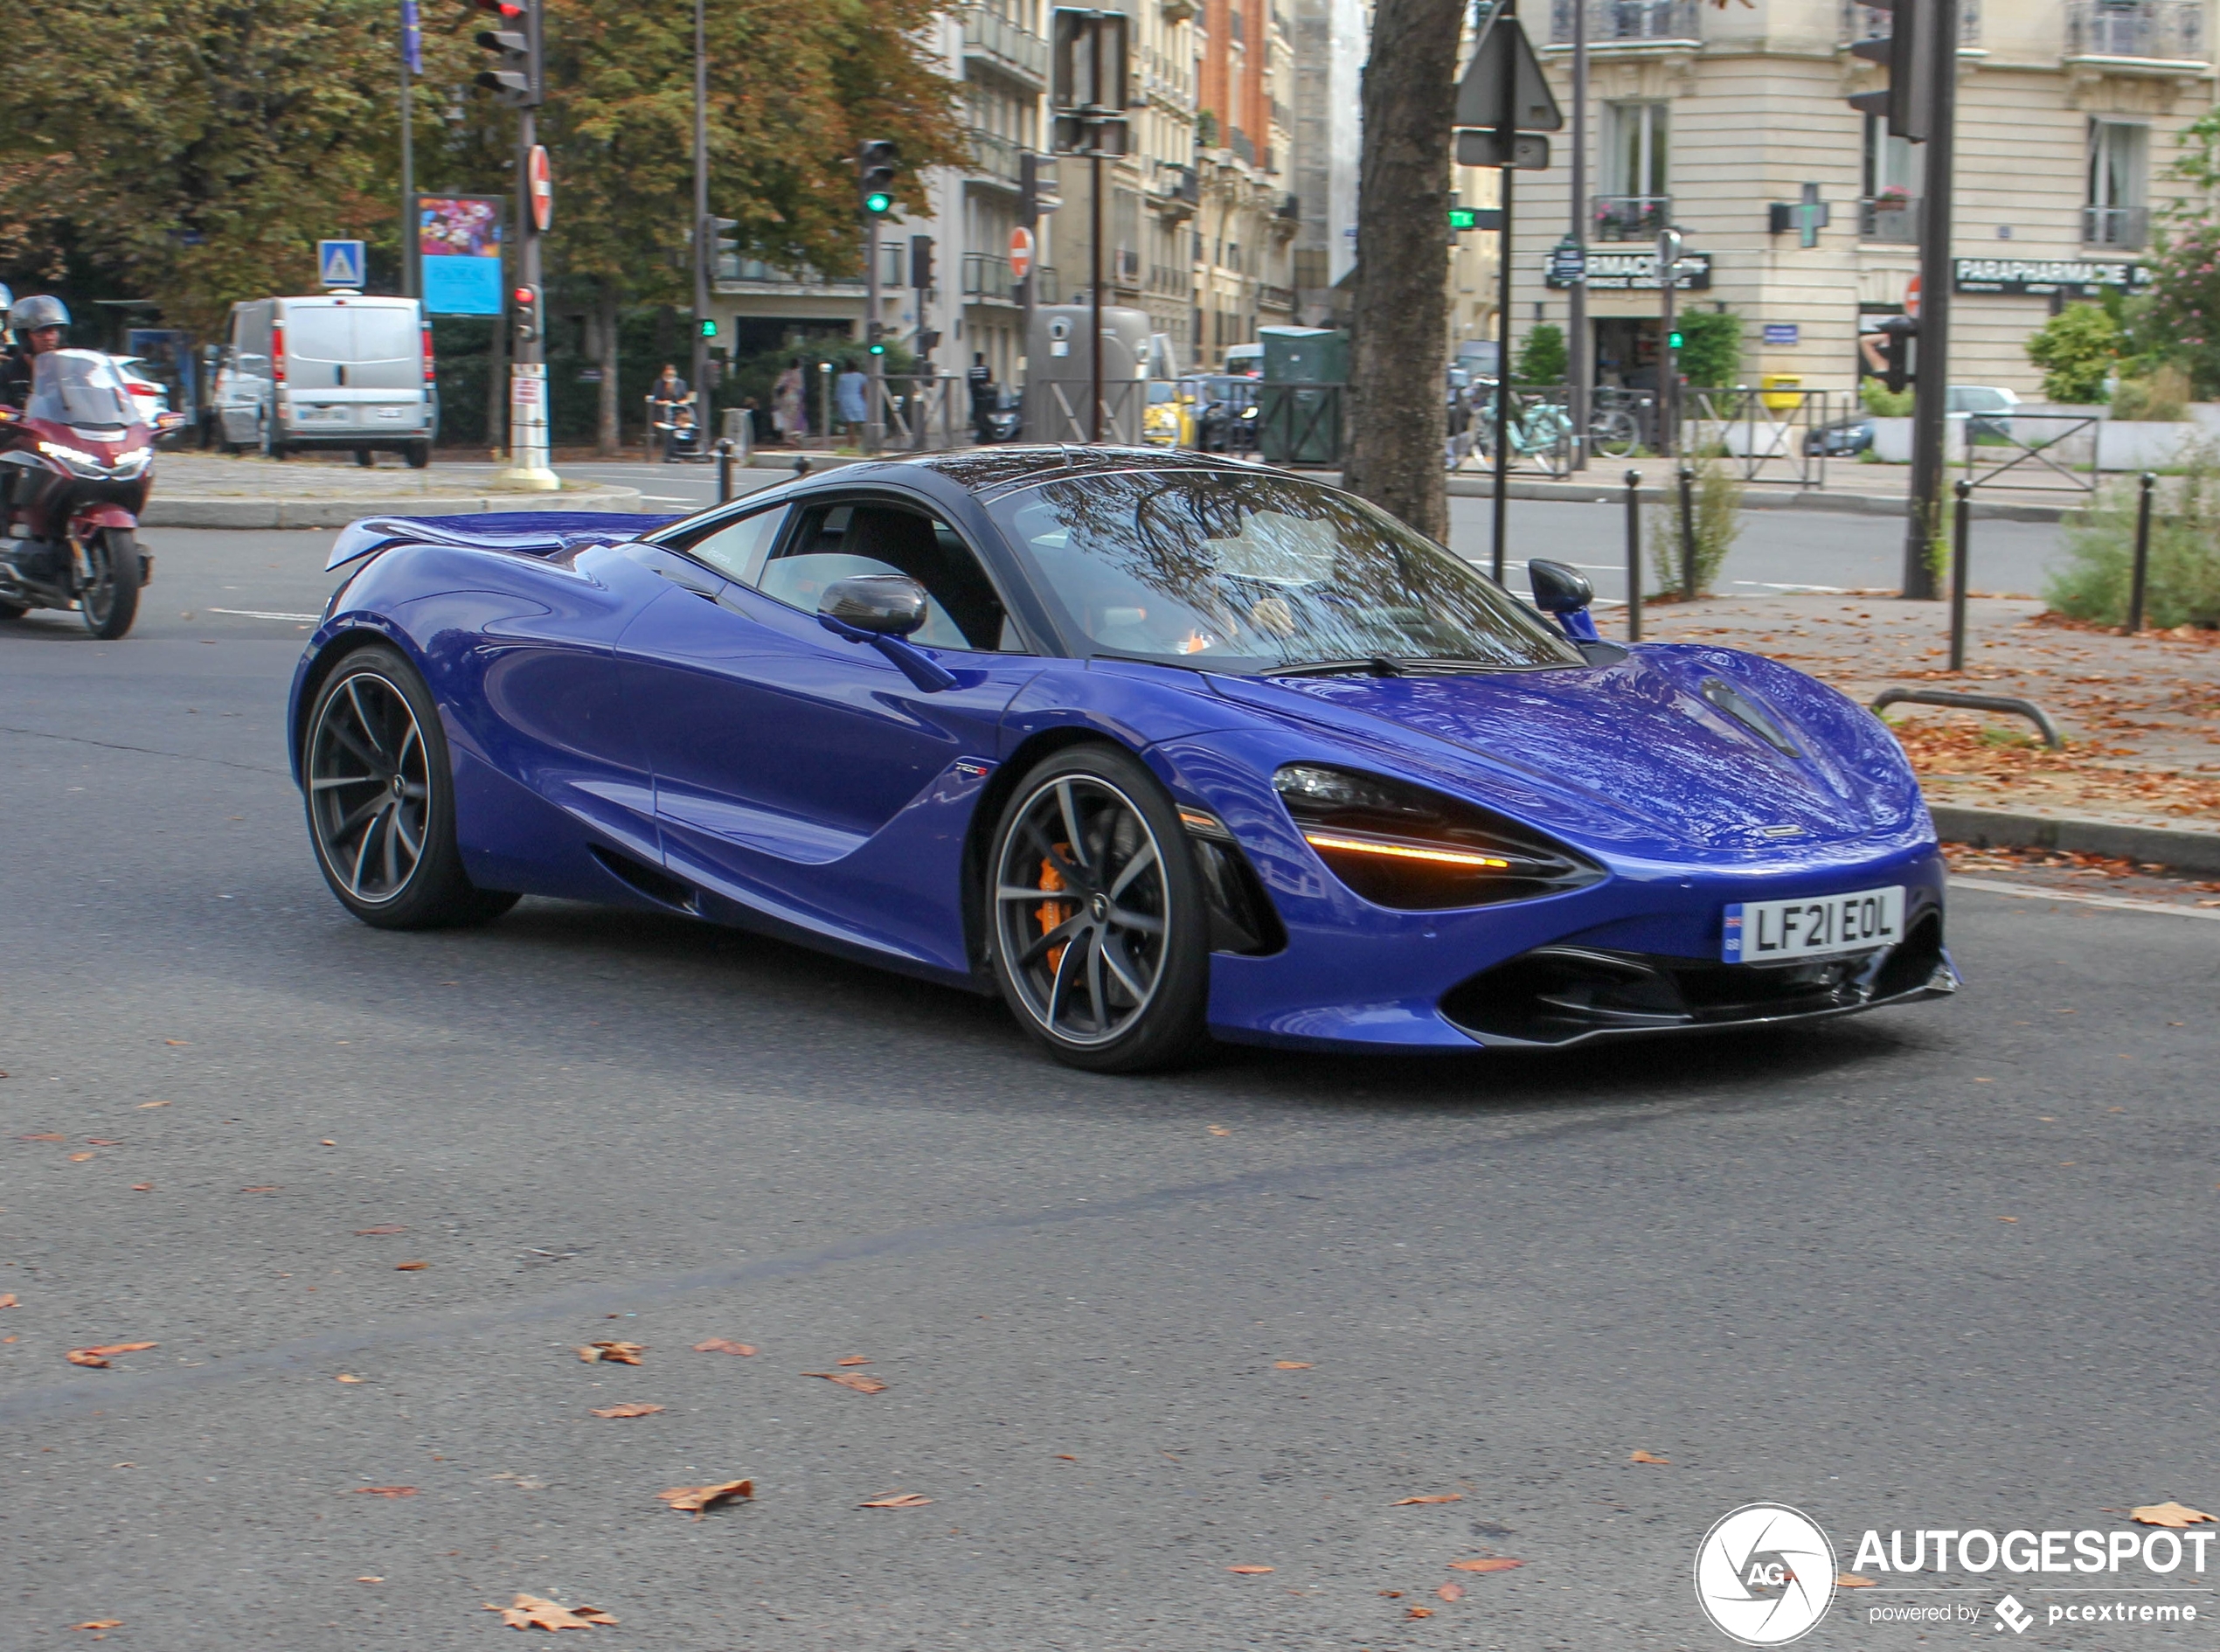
x: 526, y: 295
x: 507, y: 10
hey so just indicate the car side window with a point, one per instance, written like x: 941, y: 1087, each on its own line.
x: 737, y: 550
x: 839, y: 540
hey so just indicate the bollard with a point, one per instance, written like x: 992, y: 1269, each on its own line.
x: 1687, y: 534
x: 1633, y: 556
x: 2138, y: 581
x: 802, y: 464
x: 723, y: 469
x: 1959, y: 559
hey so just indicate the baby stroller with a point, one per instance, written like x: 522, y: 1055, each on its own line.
x: 675, y: 431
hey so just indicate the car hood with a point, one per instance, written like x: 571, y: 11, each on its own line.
x: 1630, y: 757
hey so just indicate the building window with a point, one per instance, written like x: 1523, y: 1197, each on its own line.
x: 2116, y: 214
x: 1888, y: 202
x: 1636, y: 201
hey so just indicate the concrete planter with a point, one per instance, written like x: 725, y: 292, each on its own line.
x: 1893, y: 439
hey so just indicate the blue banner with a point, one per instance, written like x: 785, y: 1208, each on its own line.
x: 411, y: 38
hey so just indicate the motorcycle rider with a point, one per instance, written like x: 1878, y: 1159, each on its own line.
x: 41, y: 324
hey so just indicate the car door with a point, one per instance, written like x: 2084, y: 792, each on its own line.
x: 804, y: 773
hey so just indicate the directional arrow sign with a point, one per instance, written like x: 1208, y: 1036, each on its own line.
x: 1480, y: 95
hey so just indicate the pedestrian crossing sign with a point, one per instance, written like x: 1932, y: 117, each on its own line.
x: 339, y: 263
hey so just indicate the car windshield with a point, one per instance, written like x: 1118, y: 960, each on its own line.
x: 1260, y: 573
x: 79, y: 387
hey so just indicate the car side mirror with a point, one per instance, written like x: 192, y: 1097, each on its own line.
x: 882, y: 604
x: 1564, y: 592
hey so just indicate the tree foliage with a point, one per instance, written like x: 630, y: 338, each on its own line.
x: 2076, y: 350
x: 1542, y: 358
x: 1711, y: 356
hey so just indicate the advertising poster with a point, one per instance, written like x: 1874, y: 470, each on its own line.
x: 458, y: 240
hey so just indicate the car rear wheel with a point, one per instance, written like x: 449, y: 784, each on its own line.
x: 1097, y: 926
x: 380, y: 795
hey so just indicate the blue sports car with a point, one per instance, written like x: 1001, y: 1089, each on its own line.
x: 1160, y: 748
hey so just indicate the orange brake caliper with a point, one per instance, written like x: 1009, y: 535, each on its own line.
x: 1050, y: 913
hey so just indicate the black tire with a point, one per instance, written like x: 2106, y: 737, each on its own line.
x: 365, y: 458
x: 375, y: 764
x: 109, y: 601
x: 418, y: 454
x: 13, y: 610
x: 1090, y: 822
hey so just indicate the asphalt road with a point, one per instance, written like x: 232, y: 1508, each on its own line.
x: 1945, y: 1267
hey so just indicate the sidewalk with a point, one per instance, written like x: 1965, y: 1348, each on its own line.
x: 2140, y: 715
x: 213, y: 490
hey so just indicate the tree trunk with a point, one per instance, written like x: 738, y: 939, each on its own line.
x: 1398, y: 421
x: 610, y: 438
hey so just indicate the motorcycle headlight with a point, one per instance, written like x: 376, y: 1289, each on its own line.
x: 80, y: 462
x: 131, y: 463
x: 1406, y: 847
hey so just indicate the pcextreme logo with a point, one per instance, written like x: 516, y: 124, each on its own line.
x: 1764, y: 1574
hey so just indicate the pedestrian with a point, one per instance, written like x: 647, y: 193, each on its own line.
x: 851, y: 393
x: 980, y: 379
x: 667, y: 395
x: 790, y: 405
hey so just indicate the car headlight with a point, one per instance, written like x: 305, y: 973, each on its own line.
x: 1415, y: 850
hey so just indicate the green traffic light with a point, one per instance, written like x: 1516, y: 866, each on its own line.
x: 878, y: 350
x: 708, y: 327
x: 878, y: 201
x: 1464, y: 218
x: 1673, y: 341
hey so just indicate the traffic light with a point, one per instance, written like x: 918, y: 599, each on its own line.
x: 877, y: 345
x: 1462, y: 219
x: 722, y: 245
x: 531, y: 324
x: 1676, y: 339
x: 515, y: 77
x: 709, y: 326
x: 1905, y: 102
x: 1897, y: 334
x: 921, y: 261
x: 1038, y: 190
x: 875, y: 163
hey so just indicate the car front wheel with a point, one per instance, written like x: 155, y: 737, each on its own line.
x: 1096, y: 920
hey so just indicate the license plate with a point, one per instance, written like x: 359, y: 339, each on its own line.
x: 1764, y: 931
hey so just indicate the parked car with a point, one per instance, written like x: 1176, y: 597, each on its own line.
x: 1225, y: 412
x: 1841, y: 439
x: 335, y: 370
x: 148, y: 394
x: 1168, y: 419
x: 1989, y: 408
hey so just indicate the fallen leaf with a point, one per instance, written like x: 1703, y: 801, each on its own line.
x: 1643, y: 1456
x: 855, y: 1380
x: 9, y: 1300
x: 101, y: 1141
x: 896, y: 1500
x: 344, y: 1378
x: 1418, y: 1611
x: 1065, y: 1457
x: 1436, y: 1496
x: 1851, y: 1580
x: 271, y: 1188
x: 369, y: 1579
x: 2007, y: 1218
x: 723, y: 1346
x: 98, y: 1356
x: 1289, y: 1364
x: 1250, y: 1571
x: 2168, y: 1513
x: 80, y: 1158
x: 373, y: 1233
x: 43, y: 1136
x: 531, y: 1611
x: 144, y: 1106
x: 410, y: 1268
x: 1451, y: 1591
x: 853, y: 1359
x: 384, y: 1491
x: 615, y: 1353
x: 99, y: 1623
x: 1217, y: 1129
x: 143, y: 1187
x: 1390, y: 1594
x: 177, y: 1044
x: 630, y: 1408
x: 698, y: 1500
x: 328, y: 1142
x: 1493, y: 1563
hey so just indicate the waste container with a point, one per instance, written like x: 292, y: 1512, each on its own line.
x: 1299, y: 404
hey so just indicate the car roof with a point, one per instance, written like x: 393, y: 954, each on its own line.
x: 987, y: 471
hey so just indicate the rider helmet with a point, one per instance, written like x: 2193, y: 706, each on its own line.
x: 37, y: 312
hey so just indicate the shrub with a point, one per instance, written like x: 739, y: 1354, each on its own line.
x: 2184, y: 583
x: 2163, y: 394
x: 1882, y: 402
x: 1542, y: 357
x: 1711, y: 348
x: 1718, y: 521
x: 2076, y: 350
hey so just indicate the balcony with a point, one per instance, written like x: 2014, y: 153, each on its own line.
x: 1125, y: 267
x: 1631, y: 217
x: 987, y: 279
x: 994, y: 157
x: 2138, y: 31
x: 1871, y: 23
x: 1176, y: 186
x: 1279, y: 298
x: 734, y: 273
x: 2125, y: 229
x: 1001, y: 44
x: 1629, y: 22
x: 1891, y: 219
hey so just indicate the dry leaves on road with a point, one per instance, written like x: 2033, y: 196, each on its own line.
x: 80, y: 1158
x: 101, y: 1141
x: 1451, y: 1591
x: 1289, y: 1364
x: 530, y: 1612
x: 1851, y: 1580
x: 98, y: 1357
x: 375, y: 1233
x: 861, y: 1383
x: 724, y: 1345
x: 1643, y: 1456
x: 43, y: 1136
x: 1437, y: 1496
x: 896, y: 1500
x: 1217, y: 1129
x: 2168, y: 1513
x: 9, y: 1300
x: 143, y: 1187
x: 344, y: 1376
x: 410, y: 1268
x: 853, y: 1359
x: 1418, y: 1611
x: 1491, y: 1563
x: 386, y: 1491
x: 615, y: 1353
x: 1250, y: 1571
x: 628, y: 1409
x: 99, y: 1623
x: 699, y: 1500
x: 144, y: 1106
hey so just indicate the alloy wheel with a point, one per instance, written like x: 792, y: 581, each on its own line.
x: 370, y: 791
x: 1081, y: 914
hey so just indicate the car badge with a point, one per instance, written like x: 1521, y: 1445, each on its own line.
x: 1780, y: 831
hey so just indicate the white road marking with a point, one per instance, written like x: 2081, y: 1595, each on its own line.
x: 668, y: 498
x: 257, y: 614
x: 2036, y: 891
x: 1768, y: 584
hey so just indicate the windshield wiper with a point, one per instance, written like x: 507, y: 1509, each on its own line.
x: 1373, y: 665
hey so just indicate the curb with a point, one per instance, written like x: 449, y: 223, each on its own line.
x: 189, y: 512
x: 2184, y: 850
x: 1856, y: 504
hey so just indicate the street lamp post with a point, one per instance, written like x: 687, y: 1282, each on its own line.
x: 704, y: 235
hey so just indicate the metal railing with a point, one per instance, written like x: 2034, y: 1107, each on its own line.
x: 2127, y: 227
x: 755, y: 273
x: 1764, y: 435
x: 1629, y: 22
x: 2154, y: 31
x: 1300, y: 424
x: 1541, y: 429
x: 1892, y: 218
x: 1871, y: 22
x: 1269, y: 298
x: 2038, y: 453
x: 992, y: 155
x: 1631, y: 217
x: 987, y: 276
x: 1014, y: 50
x: 919, y: 411
x: 1056, y: 411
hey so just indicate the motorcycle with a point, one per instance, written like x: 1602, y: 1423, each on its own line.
x: 79, y: 459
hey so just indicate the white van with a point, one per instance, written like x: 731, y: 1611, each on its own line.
x: 336, y: 371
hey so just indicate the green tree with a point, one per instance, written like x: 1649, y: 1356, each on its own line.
x: 1711, y: 348
x: 1542, y: 357
x: 2076, y: 350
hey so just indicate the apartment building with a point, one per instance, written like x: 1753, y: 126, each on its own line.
x: 1244, y: 233
x: 2068, y: 113
x: 1330, y: 40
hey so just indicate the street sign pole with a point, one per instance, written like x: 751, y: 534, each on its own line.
x: 704, y: 231
x: 528, y: 466
x: 1576, y: 295
x: 1668, y: 359
x: 1931, y: 402
x: 1506, y: 134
